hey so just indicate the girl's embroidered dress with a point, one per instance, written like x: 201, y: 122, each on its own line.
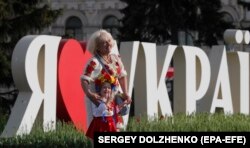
x: 103, y: 120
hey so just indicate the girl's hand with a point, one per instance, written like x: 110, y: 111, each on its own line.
x: 109, y: 106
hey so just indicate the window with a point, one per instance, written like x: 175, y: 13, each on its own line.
x: 73, y: 28
x: 227, y: 17
x: 184, y: 38
x: 111, y: 24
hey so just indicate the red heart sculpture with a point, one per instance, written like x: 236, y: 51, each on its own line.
x: 72, y: 57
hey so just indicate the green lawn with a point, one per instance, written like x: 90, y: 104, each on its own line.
x: 67, y: 136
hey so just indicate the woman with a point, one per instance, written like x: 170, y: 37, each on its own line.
x: 103, y: 63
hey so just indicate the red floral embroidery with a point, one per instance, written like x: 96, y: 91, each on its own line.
x: 118, y: 68
x: 103, y: 71
x: 92, y: 63
x: 111, y: 106
x: 90, y: 68
x: 107, y: 77
x: 106, y: 66
x: 109, y: 70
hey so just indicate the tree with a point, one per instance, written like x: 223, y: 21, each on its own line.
x: 160, y: 21
x: 17, y: 19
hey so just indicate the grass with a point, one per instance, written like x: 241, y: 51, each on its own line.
x: 204, y: 122
x: 66, y: 135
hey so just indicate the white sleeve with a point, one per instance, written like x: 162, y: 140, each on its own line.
x: 101, y: 108
x: 92, y: 70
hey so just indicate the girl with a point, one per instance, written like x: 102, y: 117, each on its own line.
x: 103, y: 114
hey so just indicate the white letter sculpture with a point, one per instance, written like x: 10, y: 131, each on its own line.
x: 192, y: 77
x: 219, y: 92
x: 34, y: 68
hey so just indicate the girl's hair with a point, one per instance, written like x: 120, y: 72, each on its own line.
x: 98, y: 89
x: 99, y: 86
x: 100, y: 35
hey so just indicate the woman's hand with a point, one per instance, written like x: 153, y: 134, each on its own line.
x: 94, y: 97
x: 127, y: 98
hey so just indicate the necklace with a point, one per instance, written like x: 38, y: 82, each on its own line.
x: 107, y: 59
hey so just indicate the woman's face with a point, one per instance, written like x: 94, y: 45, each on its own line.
x: 104, y: 45
x: 106, y: 90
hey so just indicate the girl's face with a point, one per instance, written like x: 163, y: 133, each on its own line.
x: 106, y: 90
x: 104, y: 45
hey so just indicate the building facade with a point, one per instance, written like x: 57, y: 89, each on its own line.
x: 81, y: 18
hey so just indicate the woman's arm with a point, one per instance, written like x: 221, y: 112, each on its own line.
x: 123, y: 83
x: 94, y: 97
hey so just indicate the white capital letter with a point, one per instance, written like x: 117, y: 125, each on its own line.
x: 219, y: 92
x: 192, y: 77
x: 34, y: 68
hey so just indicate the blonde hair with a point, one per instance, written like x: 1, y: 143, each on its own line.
x: 100, y: 35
